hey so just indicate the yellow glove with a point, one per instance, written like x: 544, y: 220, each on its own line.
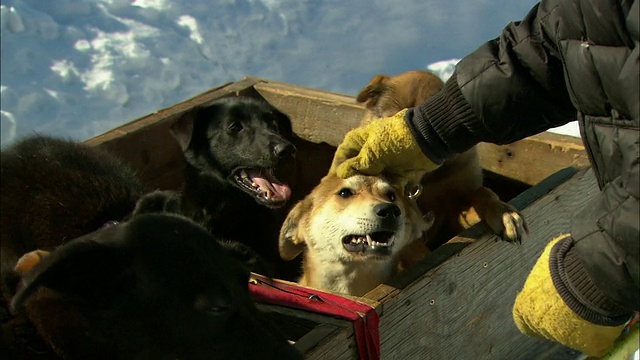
x: 539, y: 311
x: 385, y: 144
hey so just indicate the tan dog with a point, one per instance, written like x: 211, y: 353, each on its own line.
x: 454, y: 192
x: 351, y: 232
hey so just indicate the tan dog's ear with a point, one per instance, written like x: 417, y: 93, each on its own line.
x: 371, y: 93
x: 291, y: 242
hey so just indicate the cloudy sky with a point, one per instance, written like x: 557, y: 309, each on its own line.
x: 77, y: 68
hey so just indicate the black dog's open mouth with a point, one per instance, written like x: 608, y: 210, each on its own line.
x: 263, y: 185
x: 378, y: 243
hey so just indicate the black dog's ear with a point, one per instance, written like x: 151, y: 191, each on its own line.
x: 158, y: 201
x: 291, y: 241
x: 370, y: 93
x: 284, y: 123
x: 182, y: 129
x: 83, y: 267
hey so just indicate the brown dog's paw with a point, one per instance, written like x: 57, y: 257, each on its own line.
x: 502, y: 218
x: 28, y: 261
x: 514, y: 227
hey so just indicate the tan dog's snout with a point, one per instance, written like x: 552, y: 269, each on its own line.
x: 387, y: 215
x: 387, y: 211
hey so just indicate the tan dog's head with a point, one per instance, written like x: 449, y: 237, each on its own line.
x: 386, y: 95
x: 361, y: 218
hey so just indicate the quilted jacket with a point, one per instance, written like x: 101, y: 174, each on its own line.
x: 566, y: 60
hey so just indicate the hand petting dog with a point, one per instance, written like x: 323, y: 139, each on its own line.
x: 384, y: 145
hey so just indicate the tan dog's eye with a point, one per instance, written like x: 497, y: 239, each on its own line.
x: 391, y: 196
x: 345, y: 193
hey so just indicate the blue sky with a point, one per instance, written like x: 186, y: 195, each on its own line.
x: 77, y: 68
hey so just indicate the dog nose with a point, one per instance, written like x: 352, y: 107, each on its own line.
x: 282, y: 150
x: 386, y: 210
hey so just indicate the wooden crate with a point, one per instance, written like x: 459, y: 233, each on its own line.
x: 455, y: 303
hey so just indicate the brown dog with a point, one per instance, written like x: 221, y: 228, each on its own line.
x: 454, y: 192
x: 351, y: 232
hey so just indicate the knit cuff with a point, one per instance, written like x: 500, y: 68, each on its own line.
x: 578, y: 291
x: 443, y: 125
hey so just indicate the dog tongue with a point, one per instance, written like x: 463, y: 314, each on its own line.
x: 267, y: 182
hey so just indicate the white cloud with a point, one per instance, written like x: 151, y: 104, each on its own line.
x: 190, y: 23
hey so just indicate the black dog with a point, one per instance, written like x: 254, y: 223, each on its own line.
x: 53, y: 190
x: 239, y: 159
x: 156, y: 287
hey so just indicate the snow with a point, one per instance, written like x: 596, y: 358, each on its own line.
x: 77, y: 68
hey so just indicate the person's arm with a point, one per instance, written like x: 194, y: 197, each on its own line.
x: 509, y: 88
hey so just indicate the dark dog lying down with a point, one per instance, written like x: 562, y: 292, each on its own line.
x: 51, y: 191
x: 156, y: 287
x: 54, y: 190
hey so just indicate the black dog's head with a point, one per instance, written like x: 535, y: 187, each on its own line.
x: 241, y: 141
x: 156, y: 287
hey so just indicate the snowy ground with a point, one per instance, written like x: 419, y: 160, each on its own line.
x: 77, y: 68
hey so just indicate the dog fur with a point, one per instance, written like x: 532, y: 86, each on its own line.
x: 156, y: 287
x: 53, y: 190
x: 454, y: 192
x: 323, y: 226
x: 228, y: 145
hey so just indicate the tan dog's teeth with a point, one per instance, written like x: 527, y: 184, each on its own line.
x: 369, y: 240
x: 358, y: 240
x: 243, y: 174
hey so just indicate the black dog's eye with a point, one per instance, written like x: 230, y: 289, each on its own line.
x: 211, y: 307
x: 217, y: 310
x: 235, y: 127
x: 345, y: 193
x: 391, y: 196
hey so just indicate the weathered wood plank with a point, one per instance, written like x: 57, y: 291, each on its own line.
x: 308, y: 330
x: 341, y: 346
x: 462, y: 308
x: 533, y: 159
x: 317, y: 116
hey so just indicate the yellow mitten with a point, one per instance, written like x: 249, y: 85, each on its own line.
x: 385, y: 144
x: 539, y: 311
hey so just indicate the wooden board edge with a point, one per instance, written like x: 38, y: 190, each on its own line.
x: 303, y: 91
x: 548, y: 151
x: 320, y: 334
